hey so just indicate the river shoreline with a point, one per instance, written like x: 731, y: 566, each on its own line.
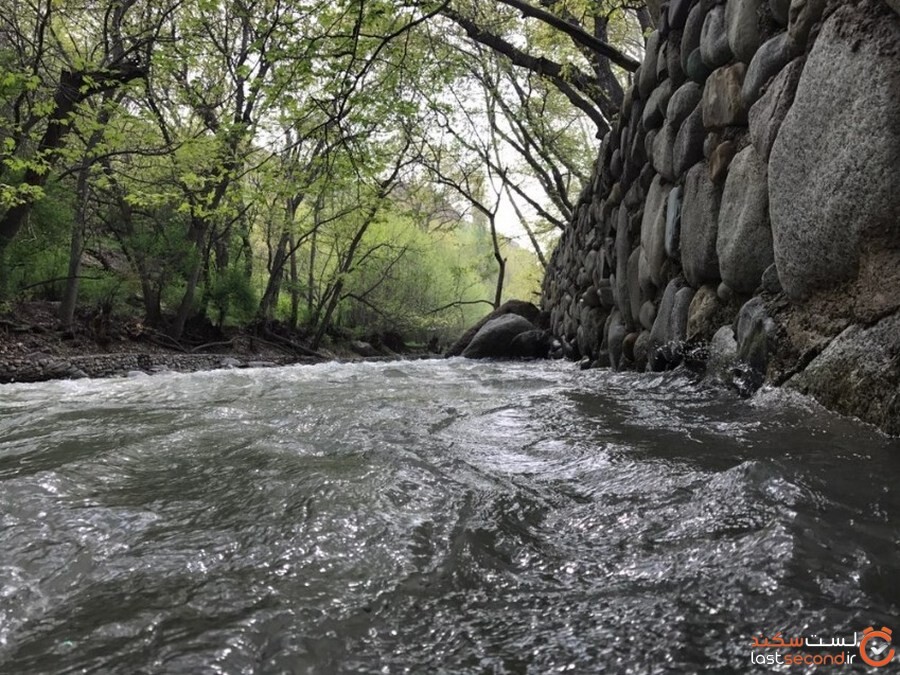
x: 34, y: 349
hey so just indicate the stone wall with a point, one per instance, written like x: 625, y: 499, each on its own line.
x: 744, y: 214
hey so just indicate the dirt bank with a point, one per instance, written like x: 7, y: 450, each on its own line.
x: 33, y: 348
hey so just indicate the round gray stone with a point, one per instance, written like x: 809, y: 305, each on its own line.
x: 653, y: 229
x: 673, y: 222
x: 647, y: 80
x: 742, y: 20
x: 768, y: 112
x: 693, y: 29
x: 688, y: 149
x: 699, y: 227
x: 744, y: 243
x: 683, y: 102
x: 714, y: 45
x: 769, y: 59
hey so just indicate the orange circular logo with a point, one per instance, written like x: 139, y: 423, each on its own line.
x: 874, y: 654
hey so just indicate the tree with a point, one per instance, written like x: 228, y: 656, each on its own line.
x: 281, y: 160
x: 51, y: 72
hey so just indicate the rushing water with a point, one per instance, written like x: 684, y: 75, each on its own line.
x: 433, y: 516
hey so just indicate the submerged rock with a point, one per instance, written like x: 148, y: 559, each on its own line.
x: 532, y: 344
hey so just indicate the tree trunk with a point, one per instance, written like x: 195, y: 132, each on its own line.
x: 311, y: 279
x: 501, y: 263
x: 329, y: 311
x: 535, y: 244
x: 76, y: 249
x: 344, y: 268
x: 4, y: 271
x: 273, y: 287
x: 79, y: 227
x: 152, y: 309
x: 186, y: 307
x: 66, y: 97
x: 72, y: 89
x: 295, y: 286
x: 608, y: 80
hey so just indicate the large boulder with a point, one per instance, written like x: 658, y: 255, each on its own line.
x: 662, y: 61
x: 673, y: 60
x: 699, y: 226
x: 696, y: 70
x: 744, y: 243
x: 669, y: 328
x: 364, y: 348
x: 706, y: 313
x: 518, y: 307
x: 673, y: 223
x: 615, y: 338
x: 834, y: 187
x: 754, y: 333
x: 720, y: 159
x: 722, y: 355
x: 590, y: 331
x: 634, y: 283
x: 495, y: 338
x: 659, y: 332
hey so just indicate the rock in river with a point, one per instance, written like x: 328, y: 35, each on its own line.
x: 495, y: 338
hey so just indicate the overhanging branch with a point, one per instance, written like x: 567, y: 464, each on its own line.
x: 540, y: 65
x: 576, y: 33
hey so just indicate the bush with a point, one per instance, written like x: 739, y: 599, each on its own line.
x: 232, y: 295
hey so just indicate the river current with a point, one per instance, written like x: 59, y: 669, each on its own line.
x: 433, y: 517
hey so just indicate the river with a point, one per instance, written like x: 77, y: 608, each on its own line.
x: 433, y: 516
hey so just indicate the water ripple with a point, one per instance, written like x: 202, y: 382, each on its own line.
x: 431, y: 517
